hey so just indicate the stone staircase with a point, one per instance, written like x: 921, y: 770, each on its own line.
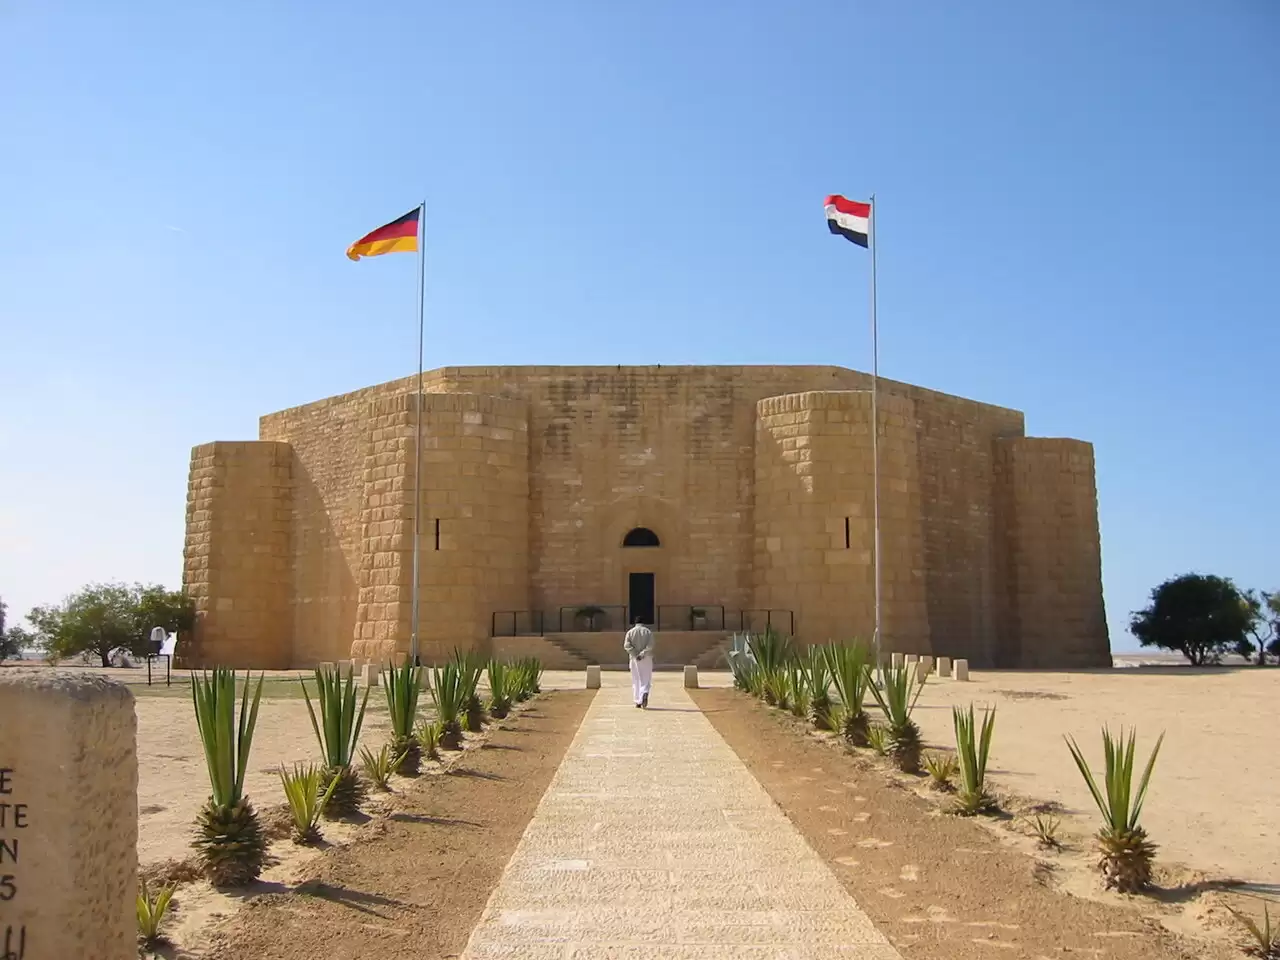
x: 575, y: 651
x: 551, y: 653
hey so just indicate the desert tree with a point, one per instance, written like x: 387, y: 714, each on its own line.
x: 7, y: 648
x: 1199, y: 615
x: 104, y: 617
x: 1263, y: 630
x: 13, y: 641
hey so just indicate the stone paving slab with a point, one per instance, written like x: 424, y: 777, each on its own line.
x: 653, y: 841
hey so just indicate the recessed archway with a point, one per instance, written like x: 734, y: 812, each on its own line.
x: 641, y: 537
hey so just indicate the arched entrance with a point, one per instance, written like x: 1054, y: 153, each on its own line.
x: 642, y: 589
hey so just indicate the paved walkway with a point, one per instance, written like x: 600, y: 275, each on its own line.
x: 654, y: 841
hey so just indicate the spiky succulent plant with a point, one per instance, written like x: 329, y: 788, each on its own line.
x: 817, y: 677
x: 972, y: 750
x: 500, y: 676
x: 448, y: 689
x: 337, y: 732
x: 1126, y: 854
x: 897, y: 700
x: 229, y: 842
x: 403, y: 686
x: 848, y: 665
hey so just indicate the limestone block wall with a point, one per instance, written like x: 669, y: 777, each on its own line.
x: 668, y: 448
x: 474, y: 554
x: 329, y: 440
x: 384, y: 584
x: 236, y: 559
x: 955, y: 445
x: 607, y: 449
x: 814, y: 517
x: 1051, y: 570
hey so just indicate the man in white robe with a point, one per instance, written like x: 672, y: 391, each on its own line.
x: 639, y: 646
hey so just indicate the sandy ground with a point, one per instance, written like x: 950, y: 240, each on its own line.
x: 1212, y: 805
x: 940, y: 887
x: 172, y: 779
x: 417, y: 882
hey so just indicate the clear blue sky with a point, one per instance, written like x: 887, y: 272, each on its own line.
x: 1078, y: 217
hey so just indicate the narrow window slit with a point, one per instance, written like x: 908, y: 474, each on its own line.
x: 437, y: 533
x: 846, y: 533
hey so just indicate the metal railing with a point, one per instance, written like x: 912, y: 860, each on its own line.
x: 517, y: 623
x: 686, y: 616
x: 592, y: 618
x: 755, y: 621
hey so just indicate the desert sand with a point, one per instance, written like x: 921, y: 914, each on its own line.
x: 173, y: 782
x: 1214, y: 790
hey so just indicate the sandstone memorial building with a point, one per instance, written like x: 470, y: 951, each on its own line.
x: 560, y: 502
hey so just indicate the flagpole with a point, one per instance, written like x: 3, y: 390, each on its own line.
x: 875, y: 423
x: 417, y: 444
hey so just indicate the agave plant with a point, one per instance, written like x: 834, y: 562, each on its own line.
x: 151, y: 914
x: 772, y: 654
x: 817, y: 677
x: 448, y: 689
x: 403, y: 685
x: 777, y: 687
x: 897, y: 700
x: 229, y: 841
x: 941, y: 768
x: 521, y: 680
x: 532, y: 670
x: 798, y: 688
x: 429, y: 738
x: 1045, y: 827
x: 1266, y: 939
x: 741, y: 665
x: 379, y: 766
x: 972, y: 750
x: 499, y: 689
x: 1126, y: 853
x: 337, y: 733
x: 878, y: 738
x: 771, y: 650
x: 850, y: 672
x: 306, y: 800
x: 470, y: 666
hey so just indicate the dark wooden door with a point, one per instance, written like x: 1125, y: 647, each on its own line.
x: 641, y: 600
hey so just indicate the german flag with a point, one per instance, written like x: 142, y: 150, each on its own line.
x: 398, y: 236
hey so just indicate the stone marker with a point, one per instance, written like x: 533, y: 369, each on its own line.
x: 962, y: 669
x: 691, y: 677
x: 593, y: 677
x: 944, y: 666
x: 913, y: 658
x: 68, y: 817
x: 369, y: 674
x: 926, y: 665
x: 897, y: 661
x: 326, y: 667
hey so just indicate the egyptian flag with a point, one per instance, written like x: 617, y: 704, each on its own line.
x: 398, y: 236
x: 848, y: 218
